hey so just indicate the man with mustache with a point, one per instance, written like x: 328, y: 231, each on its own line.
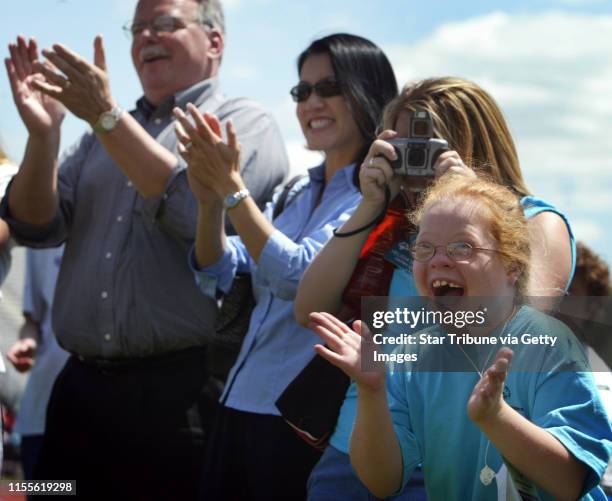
x: 128, y: 414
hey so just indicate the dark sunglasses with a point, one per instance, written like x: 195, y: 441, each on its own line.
x: 328, y: 87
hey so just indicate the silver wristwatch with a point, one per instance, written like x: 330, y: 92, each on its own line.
x: 230, y: 201
x: 107, y: 121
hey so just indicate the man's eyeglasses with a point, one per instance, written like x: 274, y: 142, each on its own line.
x: 457, y: 251
x: 159, y: 24
x: 328, y: 87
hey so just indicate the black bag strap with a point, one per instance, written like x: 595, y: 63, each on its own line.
x: 282, y: 199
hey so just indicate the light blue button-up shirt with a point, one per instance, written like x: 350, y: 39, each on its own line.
x: 276, y: 348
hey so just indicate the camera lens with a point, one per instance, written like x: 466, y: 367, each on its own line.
x: 417, y: 157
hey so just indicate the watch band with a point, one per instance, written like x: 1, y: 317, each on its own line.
x: 107, y: 121
x: 231, y: 201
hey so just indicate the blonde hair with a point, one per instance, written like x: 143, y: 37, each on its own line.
x: 502, y: 209
x: 470, y: 120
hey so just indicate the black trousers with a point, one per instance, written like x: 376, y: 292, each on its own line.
x: 253, y: 457
x: 30, y: 451
x: 132, y: 432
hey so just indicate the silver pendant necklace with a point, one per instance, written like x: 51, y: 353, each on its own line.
x: 487, y: 474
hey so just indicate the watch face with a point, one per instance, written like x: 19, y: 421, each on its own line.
x: 108, y: 122
x: 234, y: 199
x: 230, y: 201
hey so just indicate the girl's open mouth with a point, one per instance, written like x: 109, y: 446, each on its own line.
x: 444, y: 288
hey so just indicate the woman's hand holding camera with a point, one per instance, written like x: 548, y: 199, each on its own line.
x: 450, y: 161
x: 376, y: 172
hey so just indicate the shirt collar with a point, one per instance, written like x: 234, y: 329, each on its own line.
x: 317, y: 174
x: 195, y: 94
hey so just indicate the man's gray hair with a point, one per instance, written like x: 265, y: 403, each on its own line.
x: 211, y: 14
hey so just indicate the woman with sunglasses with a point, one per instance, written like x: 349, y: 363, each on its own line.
x: 345, y: 81
x: 470, y: 120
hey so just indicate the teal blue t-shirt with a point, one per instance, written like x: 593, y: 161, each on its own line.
x: 430, y: 416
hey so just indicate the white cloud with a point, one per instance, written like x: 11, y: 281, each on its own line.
x: 300, y: 158
x: 587, y: 230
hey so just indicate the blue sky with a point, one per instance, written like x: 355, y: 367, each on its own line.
x: 547, y: 63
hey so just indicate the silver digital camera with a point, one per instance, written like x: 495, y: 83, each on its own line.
x: 417, y: 155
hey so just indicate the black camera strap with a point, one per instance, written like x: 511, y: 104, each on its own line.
x: 375, y: 222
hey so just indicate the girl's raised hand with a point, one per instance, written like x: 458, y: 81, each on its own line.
x: 486, y: 399
x: 343, y: 348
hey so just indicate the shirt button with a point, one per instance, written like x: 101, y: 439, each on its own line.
x: 129, y: 184
x: 108, y: 255
x: 107, y: 337
x: 104, y: 294
x: 119, y: 219
x: 158, y: 121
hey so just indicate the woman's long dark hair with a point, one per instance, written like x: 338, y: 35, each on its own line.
x: 367, y: 80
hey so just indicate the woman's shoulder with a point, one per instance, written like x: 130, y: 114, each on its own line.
x: 534, y: 206
x: 551, y: 232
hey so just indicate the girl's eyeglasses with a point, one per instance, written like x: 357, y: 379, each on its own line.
x: 457, y: 251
